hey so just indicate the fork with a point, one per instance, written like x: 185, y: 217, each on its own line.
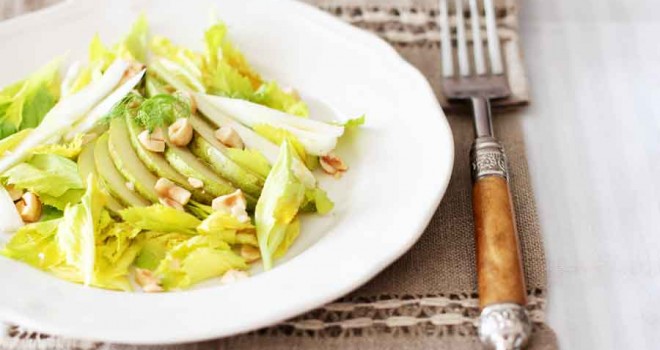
x: 503, y: 323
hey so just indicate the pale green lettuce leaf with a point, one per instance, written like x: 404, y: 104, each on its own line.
x: 278, y: 205
x: 317, y: 200
x: 224, y: 80
x: 223, y: 226
x: 84, y: 246
x: 176, y: 66
x: 50, y: 213
x: 24, y: 104
x: 292, y: 232
x: 354, y: 123
x: 100, y: 56
x: 135, y: 43
x: 160, y: 218
x: 35, y: 244
x: 62, y: 201
x: 155, y: 247
x: 49, y: 174
x: 220, y: 49
x: 116, y: 249
x: 55, y: 179
x: 270, y: 94
x: 132, y: 47
x: 10, y: 142
x: 69, y: 149
x: 197, y: 259
x: 76, y: 233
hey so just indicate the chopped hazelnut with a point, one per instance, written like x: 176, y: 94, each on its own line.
x: 29, y: 207
x: 163, y: 187
x: 146, y: 279
x: 229, y: 137
x: 333, y: 165
x: 152, y: 141
x: 170, y: 203
x: 166, y: 189
x: 250, y: 253
x: 233, y: 276
x: 195, y: 183
x: 180, y: 132
x: 179, y: 195
x: 233, y: 204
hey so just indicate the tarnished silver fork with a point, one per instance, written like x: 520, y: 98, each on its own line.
x: 504, y: 323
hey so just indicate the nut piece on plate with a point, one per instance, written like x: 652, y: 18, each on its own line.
x: 166, y: 189
x: 250, y: 253
x: 233, y: 204
x: 333, y: 165
x: 233, y: 276
x: 229, y: 137
x: 171, y: 203
x: 154, y: 141
x: 195, y: 182
x: 29, y: 207
x: 14, y: 192
x: 130, y: 185
x: 163, y: 186
x: 146, y: 279
x: 180, y: 132
x: 179, y: 195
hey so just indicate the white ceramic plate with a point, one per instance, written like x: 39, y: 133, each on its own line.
x: 400, y: 167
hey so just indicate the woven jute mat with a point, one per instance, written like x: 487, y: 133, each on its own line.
x: 427, y: 299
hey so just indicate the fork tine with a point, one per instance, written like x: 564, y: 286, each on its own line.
x: 445, y: 40
x: 493, y: 39
x: 463, y: 61
x: 479, y: 63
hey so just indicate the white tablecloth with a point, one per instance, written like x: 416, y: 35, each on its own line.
x: 593, y: 140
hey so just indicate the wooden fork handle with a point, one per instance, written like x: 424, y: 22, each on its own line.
x: 502, y: 293
x: 498, y: 257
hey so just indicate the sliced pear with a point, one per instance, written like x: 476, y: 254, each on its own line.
x: 113, y: 179
x: 157, y: 164
x: 86, y: 161
x: 86, y: 167
x: 127, y: 161
x: 187, y: 164
x: 212, y: 151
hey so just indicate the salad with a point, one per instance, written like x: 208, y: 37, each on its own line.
x: 158, y: 166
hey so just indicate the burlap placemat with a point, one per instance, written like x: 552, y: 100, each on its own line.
x: 427, y: 299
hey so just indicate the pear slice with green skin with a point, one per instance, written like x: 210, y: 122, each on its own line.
x: 86, y: 167
x: 113, y: 179
x: 189, y: 165
x: 212, y: 151
x: 127, y: 161
x: 158, y: 165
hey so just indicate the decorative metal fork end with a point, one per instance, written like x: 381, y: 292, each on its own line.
x: 488, y: 158
x: 504, y: 326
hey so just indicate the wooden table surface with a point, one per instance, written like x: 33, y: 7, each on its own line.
x: 593, y: 141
